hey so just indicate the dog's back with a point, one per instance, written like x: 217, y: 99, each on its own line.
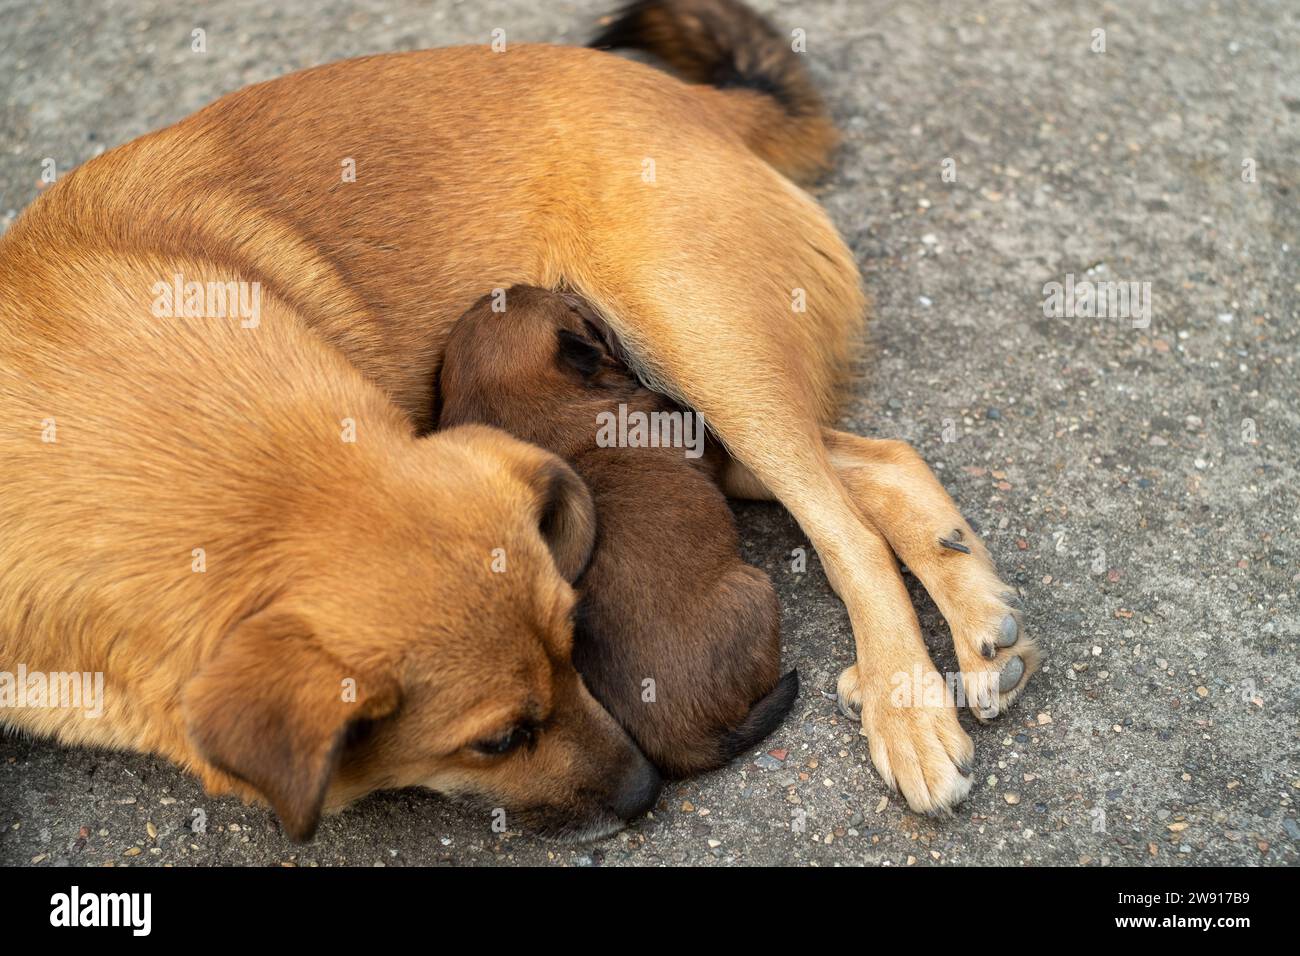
x: 676, y: 635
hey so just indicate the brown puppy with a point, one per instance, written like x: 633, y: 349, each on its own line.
x: 374, y: 199
x: 676, y: 635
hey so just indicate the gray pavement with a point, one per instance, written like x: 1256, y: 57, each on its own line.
x: 1139, y: 485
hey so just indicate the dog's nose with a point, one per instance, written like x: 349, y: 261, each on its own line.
x: 637, y: 791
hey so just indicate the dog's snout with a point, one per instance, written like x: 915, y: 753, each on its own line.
x: 637, y: 791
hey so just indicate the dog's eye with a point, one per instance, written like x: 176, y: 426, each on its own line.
x: 516, y: 737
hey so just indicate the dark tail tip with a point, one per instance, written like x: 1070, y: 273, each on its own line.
x: 719, y: 42
x: 624, y: 31
x: 725, y: 44
x: 763, y: 718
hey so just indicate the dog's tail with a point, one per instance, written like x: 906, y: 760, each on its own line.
x: 763, y: 718
x: 771, y: 97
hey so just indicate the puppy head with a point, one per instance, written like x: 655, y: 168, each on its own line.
x: 423, y: 638
x: 509, y: 358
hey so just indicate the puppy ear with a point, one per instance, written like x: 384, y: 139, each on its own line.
x: 566, y: 517
x: 272, y: 708
x: 579, y: 353
x: 596, y: 324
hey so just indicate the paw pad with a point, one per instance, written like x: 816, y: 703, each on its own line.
x: 1009, y: 633
x: 1011, y: 674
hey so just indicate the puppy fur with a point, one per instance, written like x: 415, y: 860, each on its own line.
x: 672, y: 206
x: 666, y: 597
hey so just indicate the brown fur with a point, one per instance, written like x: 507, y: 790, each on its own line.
x: 474, y: 169
x: 666, y: 597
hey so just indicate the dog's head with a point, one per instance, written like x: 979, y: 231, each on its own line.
x: 428, y: 646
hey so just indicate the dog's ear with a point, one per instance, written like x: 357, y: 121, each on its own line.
x: 272, y: 708
x: 600, y: 330
x: 579, y: 353
x: 566, y: 517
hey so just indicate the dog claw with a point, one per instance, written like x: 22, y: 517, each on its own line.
x: 988, y: 651
x: 1012, y: 599
x: 1011, y: 674
x: 847, y: 709
x: 953, y: 545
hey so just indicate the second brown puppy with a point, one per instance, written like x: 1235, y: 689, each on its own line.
x: 675, y: 635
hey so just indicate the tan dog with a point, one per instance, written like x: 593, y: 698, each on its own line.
x: 666, y: 597
x: 288, y: 612
x: 373, y: 200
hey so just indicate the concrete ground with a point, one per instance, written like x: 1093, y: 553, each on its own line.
x: 1137, y: 484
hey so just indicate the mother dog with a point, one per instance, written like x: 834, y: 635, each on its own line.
x: 179, y: 509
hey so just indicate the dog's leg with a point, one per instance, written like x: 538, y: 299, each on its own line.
x: 750, y: 324
x: 897, y: 493
x: 914, y: 737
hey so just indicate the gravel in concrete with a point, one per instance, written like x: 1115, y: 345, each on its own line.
x: 1138, y: 485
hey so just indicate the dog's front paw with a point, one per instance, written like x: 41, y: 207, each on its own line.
x: 996, y: 656
x: 917, y: 745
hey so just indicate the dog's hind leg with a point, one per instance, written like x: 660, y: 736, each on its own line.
x: 894, y: 490
x: 725, y: 342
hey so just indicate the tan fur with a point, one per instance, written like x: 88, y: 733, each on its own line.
x: 473, y: 169
x: 340, y: 582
